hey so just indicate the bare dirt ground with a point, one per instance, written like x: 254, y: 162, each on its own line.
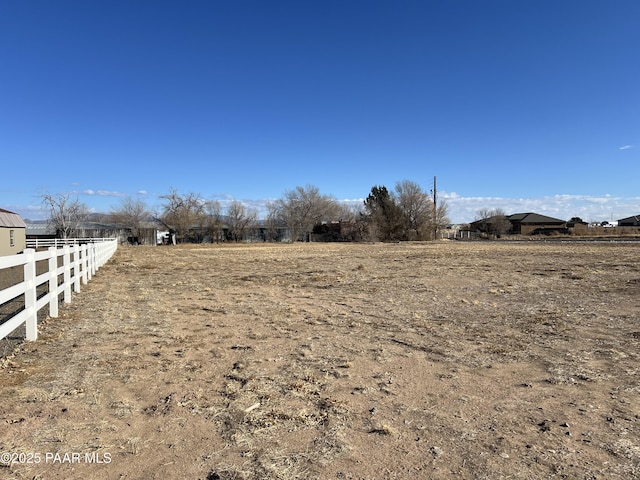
x: 336, y: 361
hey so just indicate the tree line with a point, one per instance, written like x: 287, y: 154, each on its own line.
x: 405, y: 213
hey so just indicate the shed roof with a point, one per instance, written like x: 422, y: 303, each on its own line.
x: 10, y: 219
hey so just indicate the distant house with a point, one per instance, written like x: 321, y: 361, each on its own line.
x: 518, y: 224
x: 145, y: 235
x: 531, y: 223
x: 576, y: 222
x: 577, y: 226
x: 633, y: 221
x: 13, y: 237
x: 40, y: 230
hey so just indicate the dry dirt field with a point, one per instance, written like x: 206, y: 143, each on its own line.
x: 336, y: 361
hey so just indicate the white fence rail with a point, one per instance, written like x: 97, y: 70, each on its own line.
x: 79, y: 263
x: 61, y: 242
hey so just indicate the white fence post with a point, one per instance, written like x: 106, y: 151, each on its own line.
x: 66, y: 261
x: 53, y: 282
x: 76, y: 268
x: 84, y: 249
x: 30, y: 294
x: 92, y: 259
x: 98, y: 249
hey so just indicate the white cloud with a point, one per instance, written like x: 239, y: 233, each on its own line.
x: 625, y: 147
x: 29, y: 212
x: 352, y: 201
x: 142, y: 192
x: 103, y: 193
x: 223, y: 197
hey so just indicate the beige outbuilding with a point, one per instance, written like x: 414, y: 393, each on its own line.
x: 13, y: 238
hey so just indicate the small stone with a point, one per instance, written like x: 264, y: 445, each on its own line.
x: 436, y: 451
x: 504, y: 455
x: 564, y: 425
x: 544, y: 426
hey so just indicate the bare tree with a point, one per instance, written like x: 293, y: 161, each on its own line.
x: 492, y: 221
x: 182, y: 212
x: 65, y: 213
x: 240, y: 219
x: 417, y: 207
x: 348, y: 212
x: 482, y: 217
x: 132, y: 214
x: 302, y: 208
x: 353, y: 227
x: 272, y: 222
x: 442, y: 215
x: 501, y: 224
x: 213, y: 220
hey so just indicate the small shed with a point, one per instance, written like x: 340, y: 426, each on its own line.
x: 13, y: 238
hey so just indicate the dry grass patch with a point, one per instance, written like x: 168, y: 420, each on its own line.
x: 434, y: 360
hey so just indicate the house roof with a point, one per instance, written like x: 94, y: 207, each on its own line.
x: 534, y: 218
x: 45, y: 228
x: 632, y: 218
x: 40, y: 228
x: 10, y: 219
x: 488, y: 221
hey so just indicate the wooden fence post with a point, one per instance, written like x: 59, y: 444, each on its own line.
x: 53, y: 282
x: 30, y: 294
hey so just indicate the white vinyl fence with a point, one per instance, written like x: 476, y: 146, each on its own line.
x: 66, y: 267
x: 61, y: 242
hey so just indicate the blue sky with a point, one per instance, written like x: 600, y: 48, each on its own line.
x: 518, y: 104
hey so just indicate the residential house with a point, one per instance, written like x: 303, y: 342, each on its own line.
x: 518, y: 224
x: 577, y: 226
x: 534, y: 223
x: 633, y: 221
x: 40, y: 230
x: 13, y: 237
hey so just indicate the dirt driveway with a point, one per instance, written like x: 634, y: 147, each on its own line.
x: 336, y: 361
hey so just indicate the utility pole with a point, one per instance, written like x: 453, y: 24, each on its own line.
x: 435, y: 210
